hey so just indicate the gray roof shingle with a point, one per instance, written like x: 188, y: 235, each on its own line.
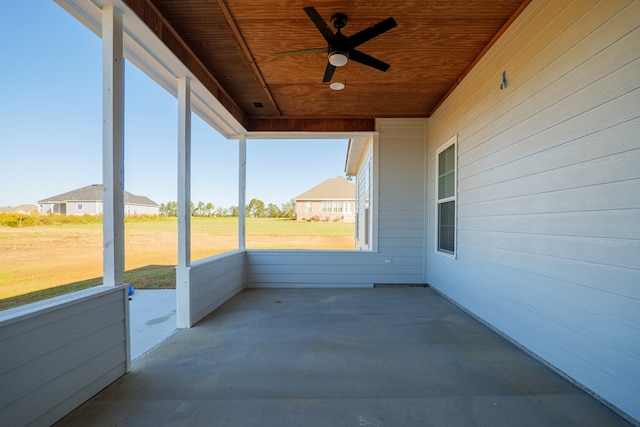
x: 337, y: 188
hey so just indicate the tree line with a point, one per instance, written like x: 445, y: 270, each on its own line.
x: 255, y: 209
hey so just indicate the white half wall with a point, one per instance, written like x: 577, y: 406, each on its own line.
x: 58, y: 353
x: 322, y: 269
x: 213, y: 281
x: 548, y: 192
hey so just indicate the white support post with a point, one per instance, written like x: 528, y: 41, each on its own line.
x: 183, y: 283
x: 242, y: 191
x: 112, y: 147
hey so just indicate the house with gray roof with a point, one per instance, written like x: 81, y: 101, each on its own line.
x: 88, y: 201
x: 331, y: 200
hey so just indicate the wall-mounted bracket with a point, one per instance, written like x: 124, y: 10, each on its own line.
x: 503, y: 85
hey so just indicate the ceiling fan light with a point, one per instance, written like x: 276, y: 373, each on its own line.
x: 338, y: 59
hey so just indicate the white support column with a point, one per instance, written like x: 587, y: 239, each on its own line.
x: 242, y: 191
x: 183, y: 283
x: 112, y: 146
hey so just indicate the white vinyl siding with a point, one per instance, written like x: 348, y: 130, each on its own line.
x: 548, y: 204
x: 83, y: 207
x: 402, y: 189
x: 93, y: 208
x: 326, y: 269
x: 58, y: 353
x: 211, y: 282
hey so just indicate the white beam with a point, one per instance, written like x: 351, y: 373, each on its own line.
x: 112, y: 146
x: 242, y: 191
x: 183, y: 282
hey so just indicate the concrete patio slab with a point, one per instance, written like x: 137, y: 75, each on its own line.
x: 340, y: 357
x: 152, y: 319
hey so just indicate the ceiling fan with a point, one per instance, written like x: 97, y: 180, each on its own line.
x: 342, y: 48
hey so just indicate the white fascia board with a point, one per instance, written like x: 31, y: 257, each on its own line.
x: 143, y: 49
x: 357, y: 148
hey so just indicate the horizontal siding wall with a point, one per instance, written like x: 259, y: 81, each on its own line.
x: 213, y: 281
x: 548, y: 191
x: 400, y: 193
x: 401, y: 188
x: 54, y: 359
x: 312, y: 269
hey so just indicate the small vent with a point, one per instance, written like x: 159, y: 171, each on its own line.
x: 400, y: 285
x: 258, y: 104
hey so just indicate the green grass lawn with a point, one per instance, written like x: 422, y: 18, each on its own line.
x: 151, y: 246
x: 152, y: 277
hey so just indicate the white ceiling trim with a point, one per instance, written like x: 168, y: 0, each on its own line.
x: 143, y: 49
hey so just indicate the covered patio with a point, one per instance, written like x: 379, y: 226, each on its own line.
x: 496, y: 161
x: 400, y: 356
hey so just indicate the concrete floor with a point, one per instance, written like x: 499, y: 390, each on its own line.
x: 152, y: 319
x: 352, y: 357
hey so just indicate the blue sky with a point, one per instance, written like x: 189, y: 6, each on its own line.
x: 50, y: 125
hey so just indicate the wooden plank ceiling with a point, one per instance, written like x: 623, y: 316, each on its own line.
x: 231, y: 46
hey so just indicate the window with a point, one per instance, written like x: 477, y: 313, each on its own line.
x: 331, y: 207
x: 446, y: 164
x: 367, y: 210
x: 348, y: 207
x: 309, y: 207
x: 79, y: 206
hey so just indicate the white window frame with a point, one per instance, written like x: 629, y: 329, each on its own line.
x: 309, y: 207
x: 369, y: 217
x: 451, y: 141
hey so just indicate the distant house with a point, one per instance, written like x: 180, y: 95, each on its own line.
x: 331, y: 200
x: 21, y: 209
x: 88, y: 201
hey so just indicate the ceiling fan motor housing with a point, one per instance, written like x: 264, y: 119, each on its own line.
x: 339, y: 53
x: 339, y: 20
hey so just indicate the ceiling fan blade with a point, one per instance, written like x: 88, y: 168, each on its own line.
x: 328, y: 73
x: 370, y: 61
x: 321, y: 24
x: 302, y: 52
x: 368, y: 33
